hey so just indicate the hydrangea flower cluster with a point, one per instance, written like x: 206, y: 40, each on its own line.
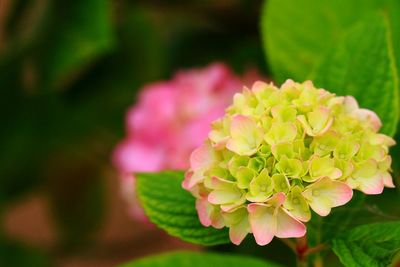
x: 279, y: 153
x: 170, y: 119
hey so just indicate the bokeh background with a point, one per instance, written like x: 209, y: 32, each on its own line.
x: 69, y: 70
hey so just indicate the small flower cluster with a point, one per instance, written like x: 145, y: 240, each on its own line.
x: 170, y: 119
x: 279, y: 153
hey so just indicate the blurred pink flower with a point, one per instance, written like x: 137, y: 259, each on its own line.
x: 170, y: 119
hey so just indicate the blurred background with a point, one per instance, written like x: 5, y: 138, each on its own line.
x: 69, y: 70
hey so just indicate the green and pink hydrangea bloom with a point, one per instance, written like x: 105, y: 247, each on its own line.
x: 280, y: 153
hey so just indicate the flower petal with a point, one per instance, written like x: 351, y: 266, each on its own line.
x: 246, y: 137
x: 324, y: 144
x: 280, y: 183
x: 202, y: 157
x: 283, y: 149
x: 239, y: 231
x: 262, y: 90
x: 388, y: 180
x: 381, y: 139
x: 323, y: 167
x: 218, y: 183
x: 225, y: 192
x: 238, y: 223
x: 345, y: 150
x: 208, y: 214
x: 263, y: 222
x: 260, y: 188
x: 288, y: 226
x: 317, y: 121
x: 371, y: 117
x: 224, y: 196
x: 297, y: 205
x: 189, y: 182
x: 320, y: 120
x: 326, y: 194
x: 244, y: 175
x: 281, y: 132
x: 367, y: 178
x: 284, y: 113
x: 350, y: 103
x: 290, y: 167
x: 372, y: 185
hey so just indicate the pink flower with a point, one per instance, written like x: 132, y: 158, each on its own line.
x: 280, y: 153
x: 170, y: 119
x: 269, y: 219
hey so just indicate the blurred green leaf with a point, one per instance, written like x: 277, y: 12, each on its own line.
x: 369, y: 245
x: 362, y: 64
x: 76, y: 33
x: 89, y: 116
x: 196, y: 259
x: 173, y: 209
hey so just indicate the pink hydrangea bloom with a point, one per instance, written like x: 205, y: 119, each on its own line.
x: 279, y: 153
x: 170, y: 119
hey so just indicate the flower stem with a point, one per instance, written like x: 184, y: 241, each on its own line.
x: 301, y: 263
x: 318, y: 261
x: 316, y: 249
x: 301, y: 251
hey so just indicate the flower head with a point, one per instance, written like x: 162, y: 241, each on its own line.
x: 170, y: 119
x: 279, y: 153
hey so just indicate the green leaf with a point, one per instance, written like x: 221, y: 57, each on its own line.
x: 297, y: 33
x: 369, y: 245
x: 196, y: 259
x: 172, y: 208
x: 74, y: 40
x: 393, y: 11
x: 362, y: 65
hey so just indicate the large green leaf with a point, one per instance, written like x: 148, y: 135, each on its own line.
x: 173, y: 209
x: 196, y: 259
x: 297, y: 33
x: 369, y: 245
x: 362, y: 65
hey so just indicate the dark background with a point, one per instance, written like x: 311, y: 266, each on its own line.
x: 68, y: 72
